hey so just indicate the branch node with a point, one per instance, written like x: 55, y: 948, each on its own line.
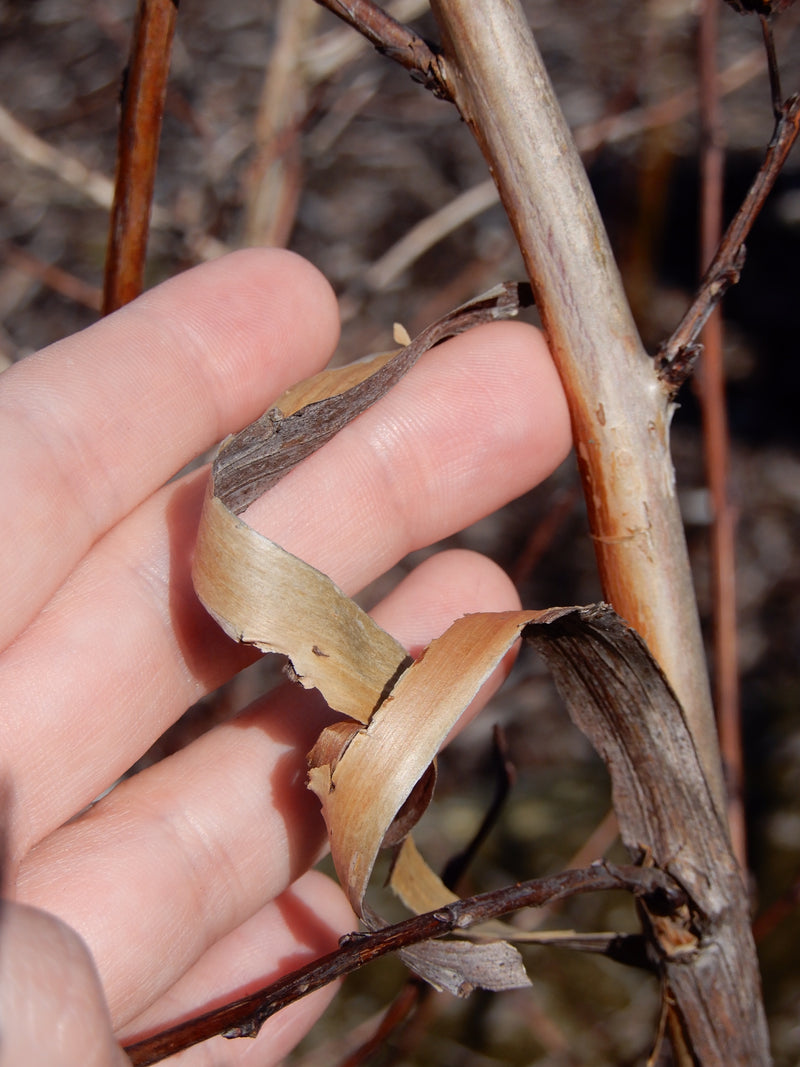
x: 674, y: 370
x: 422, y: 59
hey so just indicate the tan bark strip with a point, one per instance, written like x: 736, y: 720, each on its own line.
x: 251, y: 462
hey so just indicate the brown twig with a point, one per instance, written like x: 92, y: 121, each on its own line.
x: 246, y: 1016
x: 674, y: 357
x: 772, y: 66
x: 611, y: 129
x: 329, y: 52
x: 596, y: 844
x: 396, y: 41
x: 143, y: 96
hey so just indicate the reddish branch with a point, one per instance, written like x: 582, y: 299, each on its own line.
x: 143, y: 96
x: 711, y: 389
x: 246, y: 1016
x: 765, y: 9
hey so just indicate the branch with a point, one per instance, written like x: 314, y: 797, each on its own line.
x: 673, y: 359
x: 616, y: 695
x: 60, y: 281
x: 620, y: 416
x: 621, y: 411
x: 143, y: 97
x: 246, y: 1016
x: 396, y: 41
x: 710, y: 385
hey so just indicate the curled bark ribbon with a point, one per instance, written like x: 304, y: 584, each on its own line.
x: 374, y: 774
x: 373, y: 783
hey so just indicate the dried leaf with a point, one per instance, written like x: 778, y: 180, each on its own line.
x: 460, y: 966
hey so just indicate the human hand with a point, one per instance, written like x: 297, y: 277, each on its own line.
x: 190, y: 881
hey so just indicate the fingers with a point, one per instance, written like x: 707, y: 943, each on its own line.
x: 303, y: 924
x: 51, y: 1000
x: 122, y: 650
x: 479, y: 421
x: 424, y: 604
x: 92, y: 425
x: 186, y: 851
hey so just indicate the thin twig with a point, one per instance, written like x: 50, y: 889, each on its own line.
x: 331, y: 51
x: 30, y: 148
x: 396, y: 41
x: 246, y: 1016
x: 505, y: 774
x: 60, y: 281
x: 772, y: 66
x: 596, y: 844
x: 143, y: 99
x: 274, y: 177
x: 428, y: 232
x: 674, y: 357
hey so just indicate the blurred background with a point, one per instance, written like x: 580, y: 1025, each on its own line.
x: 282, y: 127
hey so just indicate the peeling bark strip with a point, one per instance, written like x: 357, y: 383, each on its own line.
x: 374, y: 782
x: 373, y: 776
x: 618, y: 696
x: 252, y: 461
x: 261, y: 594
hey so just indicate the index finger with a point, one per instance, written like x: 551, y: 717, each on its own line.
x: 94, y: 424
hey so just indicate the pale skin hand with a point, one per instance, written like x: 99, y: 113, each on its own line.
x: 191, y: 880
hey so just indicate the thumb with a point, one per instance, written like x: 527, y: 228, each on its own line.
x: 52, y: 1009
